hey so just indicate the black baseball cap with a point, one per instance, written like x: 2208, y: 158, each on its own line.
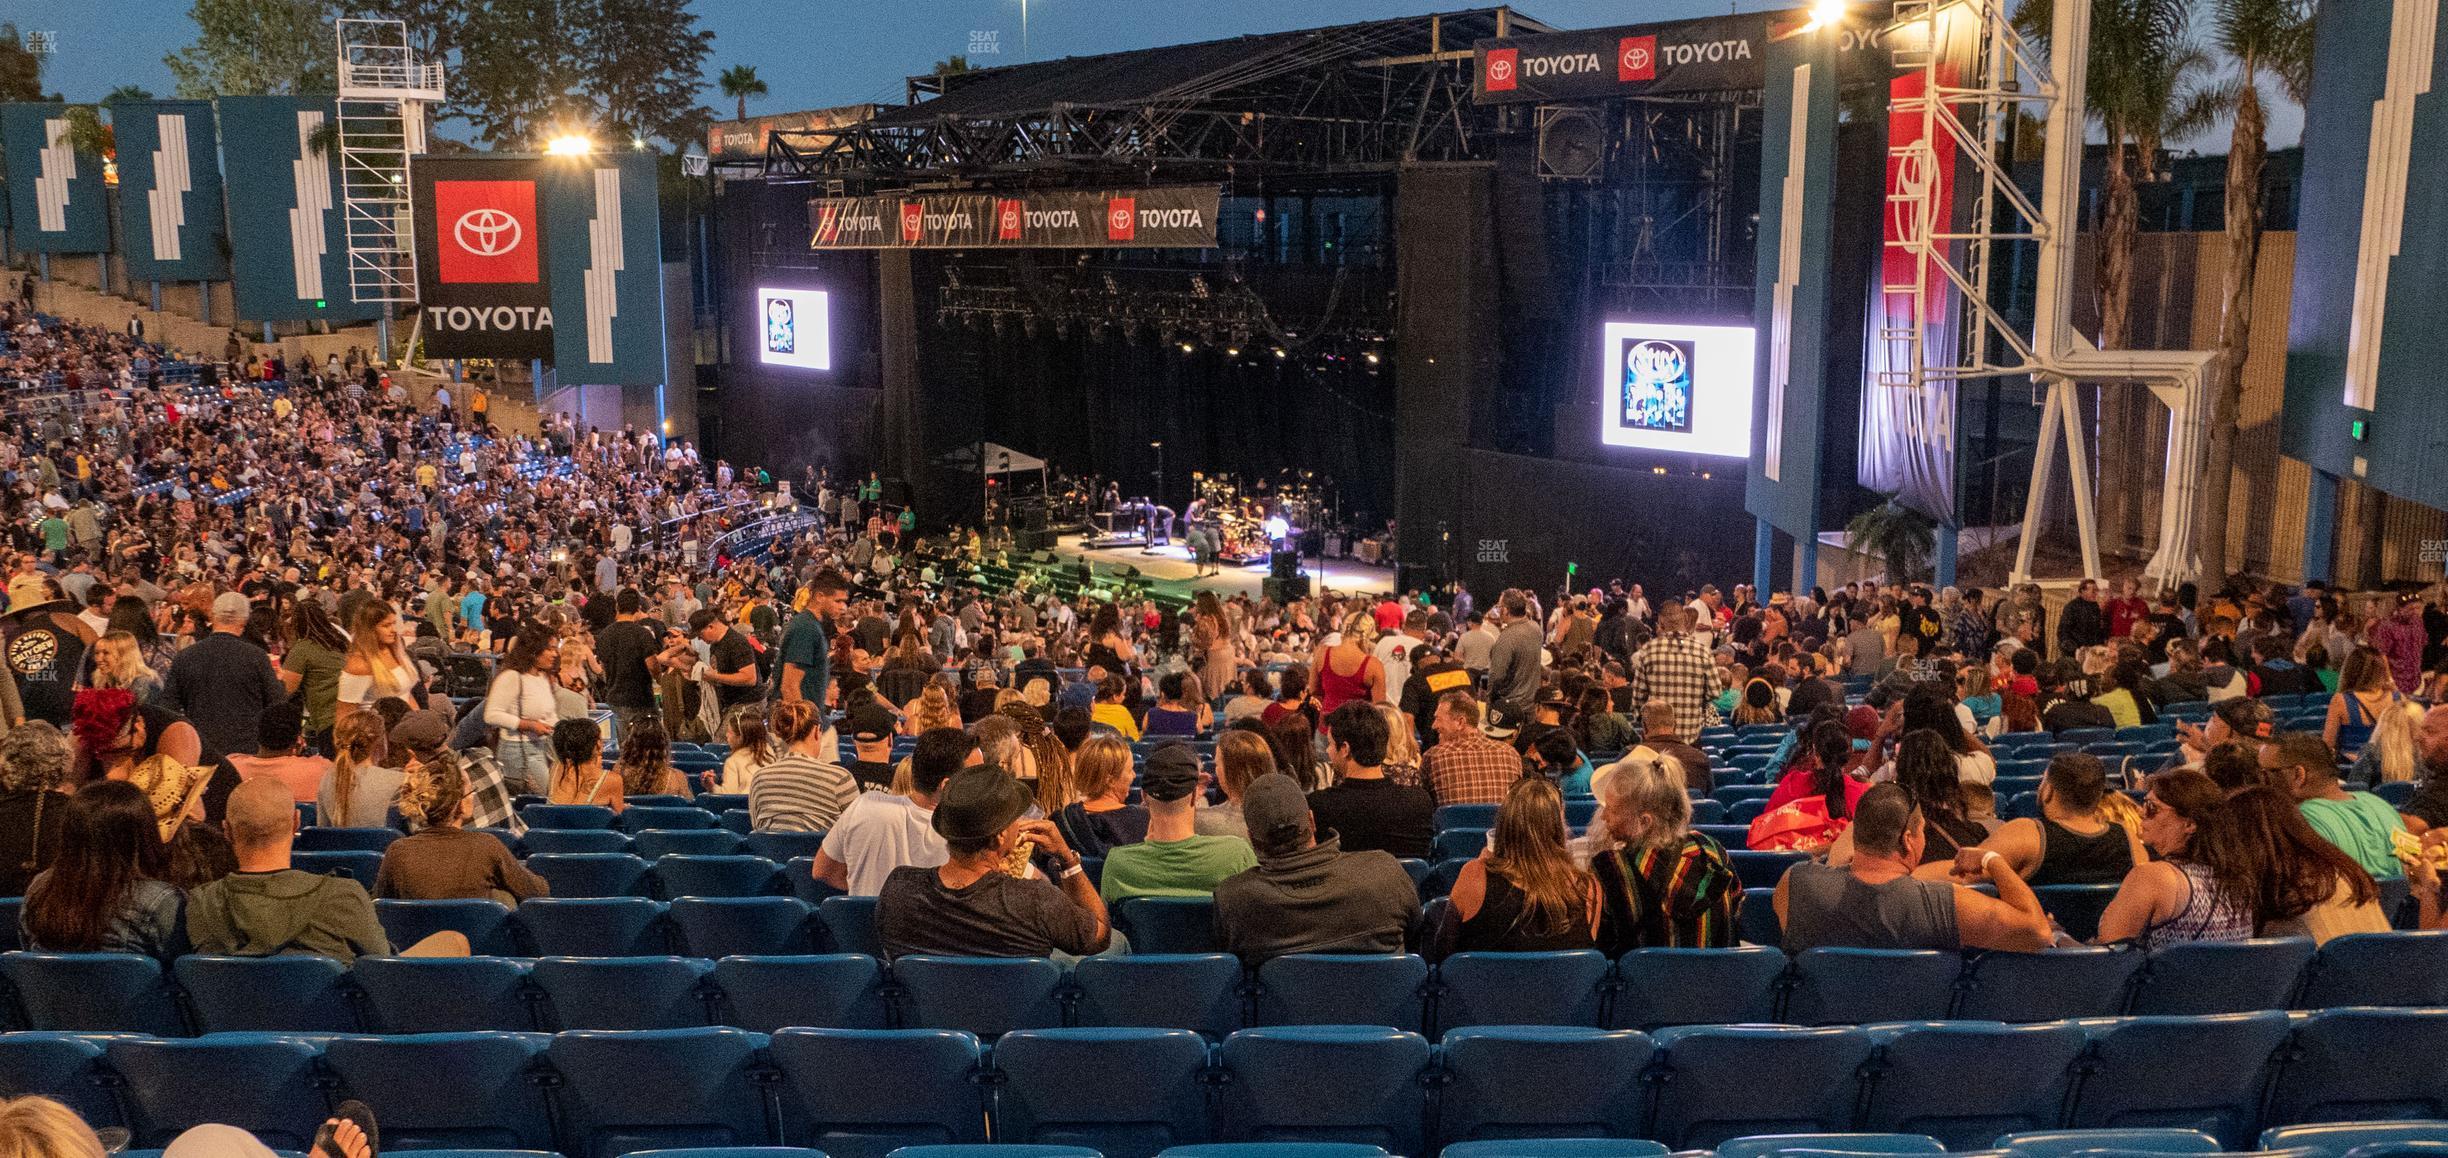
x: 1171, y: 773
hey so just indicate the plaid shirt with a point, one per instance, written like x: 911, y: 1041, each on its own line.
x: 1680, y: 670
x: 492, y: 797
x: 1476, y: 770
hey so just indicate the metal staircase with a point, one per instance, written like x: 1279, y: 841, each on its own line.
x: 383, y: 94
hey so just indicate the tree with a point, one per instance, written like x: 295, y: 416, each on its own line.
x: 88, y: 134
x: 256, y: 48
x: 517, y: 78
x: 20, y: 70
x: 1901, y: 537
x: 644, y: 68
x: 739, y: 82
x: 126, y: 93
x: 950, y: 65
x: 529, y: 69
x: 2265, y: 41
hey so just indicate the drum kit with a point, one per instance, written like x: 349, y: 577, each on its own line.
x: 1246, y: 520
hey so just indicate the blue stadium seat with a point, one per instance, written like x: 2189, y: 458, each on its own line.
x: 580, y: 875
x: 1042, y: 1101
x: 652, y: 1089
x: 998, y: 1150
x: 355, y: 864
x: 1198, y: 991
x: 1762, y: 870
x: 1168, y: 924
x: 1733, y: 1081
x: 1757, y: 920
x: 486, y: 924
x: 296, y: 994
x: 833, y: 991
x: 1661, y: 987
x: 2086, y: 735
x: 1459, y: 843
x: 1966, y: 1082
x: 624, y: 992
x: 718, y: 876
x: 2221, y: 976
x: 2076, y: 908
x: 721, y: 1152
x: 1479, y: 816
x: 2055, y: 983
x: 714, y: 927
x: 638, y: 818
x: 2396, y: 792
x: 1858, y: 986
x: 552, y: 841
x: 1342, y: 989
x: 2068, y: 1143
x: 2334, y: 1071
x: 2336, y: 1139
x: 448, y: 1090
x: 264, y: 1084
x: 1520, y: 989
x: 593, y: 927
x: 1440, y: 879
x: 565, y: 816
x: 656, y: 843
x: 1286, y: 1150
x: 661, y: 799
x: 1745, y: 811
x: 1706, y: 811
x: 987, y: 996
x: 850, y: 925
x: 60, y: 1066
x: 800, y: 874
x: 12, y: 915
x: 933, y: 1096
x: 721, y: 802
x: 2127, y: 1078
x: 2404, y: 968
x: 94, y: 993
x: 1542, y: 1081
x: 779, y: 847
x: 1325, y: 1083
x: 445, y: 994
x: 344, y: 839
x: 737, y: 819
x: 1766, y: 1145
x: 1552, y: 1148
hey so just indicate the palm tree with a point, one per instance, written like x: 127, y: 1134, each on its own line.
x: 739, y: 82
x: 2264, y: 41
x: 1901, y: 537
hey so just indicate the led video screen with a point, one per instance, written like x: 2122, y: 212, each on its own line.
x: 1679, y: 388
x: 794, y: 328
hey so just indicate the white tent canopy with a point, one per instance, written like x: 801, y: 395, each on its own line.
x: 1000, y: 459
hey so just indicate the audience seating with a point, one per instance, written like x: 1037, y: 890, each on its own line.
x: 345, y: 839
x: 296, y: 994
x: 565, y: 816
x: 1662, y: 987
x: 93, y: 993
x: 1769, y: 1145
x: 1156, y: 1101
x: 1520, y: 988
x: 2337, y: 1139
x: 1333, y: 989
x: 765, y: 994
x: 1714, y: 1089
x: 420, y: 995
x: 625, y: 992
x: 850, y: 924
x: 1168, y: 924
x: 1857, y: 986
x: 2406, y: 968
x: 653, y: 1089
x: 683, y: 875
x: 2203, y: 1073
x: 594, y: 926
x: 2221, y: 976
x: 1528, y: 1081
x: 1194, y: 991
x: 1274, y: 1090
x: 431, y: 1091
x: 584, y: 875
x: 572, y: 840
x: 486, y: 924
x: 264, y: 1084
x: 921, y: 1087
x: 656, y: 843
x: 717, y: 927
x: 1966, y: 1082
x: 356, y: 864
x: 2091, y: 981
x: 986, y: 996
x: 2144, y: 1140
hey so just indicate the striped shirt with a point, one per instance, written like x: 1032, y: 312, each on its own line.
x: 799, y: 794
x: 1679, y: 896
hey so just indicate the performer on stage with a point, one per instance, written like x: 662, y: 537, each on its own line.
x: 1202, y: 535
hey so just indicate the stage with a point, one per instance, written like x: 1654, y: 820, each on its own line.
x: 1171, y: 568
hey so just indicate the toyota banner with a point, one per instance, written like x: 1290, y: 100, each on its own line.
x: 481, y: 269
x: 1712, y: 54
x: 1167, y: 217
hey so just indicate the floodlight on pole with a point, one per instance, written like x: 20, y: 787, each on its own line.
x: 1825, y: 14
x: 569, y: 145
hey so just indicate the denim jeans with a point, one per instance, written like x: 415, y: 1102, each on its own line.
x: 526, y: 765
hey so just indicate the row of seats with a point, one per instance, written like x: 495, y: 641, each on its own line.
x: 1132, y: 1092
x: 1211, y: 993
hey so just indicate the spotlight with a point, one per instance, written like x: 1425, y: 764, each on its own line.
x: 1232, y: 351
x: 1824, y: 13
x: 569, y: 145
x: 1279, y: 353
x: 1186, y: 347
x: 1371, y: 356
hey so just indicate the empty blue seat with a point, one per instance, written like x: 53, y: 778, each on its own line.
x: 60, y: 1066
x: 1342, y: 989
x: 2221, y: 976
x: 714, y: 927
x: 593, y: 927
x: 1733, y: 1081
x: 2334, y: 1069
x: 779, y: 847
x: 300, y: 994
x: 638, y: 818
x: 656, y: 843
x: 2396, y: 792
x: 850, y: 925
x: 1764, y: 1145
x: 722, y: 1152
x: 1043, y: 1101
x: 2403, y: 968
x: 344, y: 839
x: 2086, y: 735
x: 1757, y: 919
x: 1325, y: 1083
x: 445, y: 994
x: 1745, y: 811
x: 655, y: 1089
x: 1966, y: 1082
x: 2144, y: 1140
x: 1542, y: 1081
x: 94, y: 993
x: 263, y: 1084
x: 1520, y: 988
x: 834, y: 991
x: 1459, y: 843
x: 486, y: 924
x: 800, y: 875
x: 660, y: 800
x: 721, y: 802
x: 1706, y: 811
x: 718, y: 876
x: 987, y: 996
x: 2076, y: 908
x: 1762, y: 870
x: 933, y: 1096
x: 1552, y: 1148
x: 448, y: 1090
x: 565, y: 816
x: 1479, y: 816
x: 1660, y: 987
x: 2131, y: 1075
x: 356, y: 864
x: 1197, y: 991
x: 1857, y: 986
x: 998, y: 1150
x: 2055, y: 983
x: 552, y: 841
x: 737, y: 819
x: 579, y: 875
x: 2336, y: 1139
x: 624, y: 992
x: 1168, y: 924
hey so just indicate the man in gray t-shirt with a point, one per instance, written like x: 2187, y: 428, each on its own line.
x: 1878, y: 902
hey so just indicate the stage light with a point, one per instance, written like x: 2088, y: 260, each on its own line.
x: 1279, y: 352
x: 1824, y: 13
x: 1371, y: 356
x: 1185, y: 347
x: 1232, y: 351
x: 569, y: 145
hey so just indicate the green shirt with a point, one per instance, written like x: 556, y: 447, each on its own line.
x: 2360, y: 826
x: 1189, y: 867
x: 319, y: 667
x: 55, y: 533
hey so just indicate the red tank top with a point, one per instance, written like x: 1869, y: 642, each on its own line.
x: 1335, y: 688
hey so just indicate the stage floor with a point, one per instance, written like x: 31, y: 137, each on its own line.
x: 1172, y: 567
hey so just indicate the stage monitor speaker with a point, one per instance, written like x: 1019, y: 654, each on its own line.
x: 1033, y: 539
x: 1571, y: 144
x: 1283, y: 564
x: 1286, y: 588
x: 1042, y: 557
x: 1126, y: 571
x: 1033, y: 517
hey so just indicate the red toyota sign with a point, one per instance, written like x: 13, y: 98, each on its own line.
x: 1503, y: 69
x: 486, y: 232
x: 1636, y: 59
x: 913, y: 222
x: 1121, y: 218
x: 1007, y: 219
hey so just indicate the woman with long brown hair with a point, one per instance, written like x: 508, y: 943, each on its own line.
x: 1523, y: 893
x: 377, y: 666
x: 359, y: 791
x: 2366, y: 692
x: 1242, y: 754
x: 934, y: 707
x: 645, y: 767
x: 2178, y: 896
x: 107, y: 889
x: 2300, y: 884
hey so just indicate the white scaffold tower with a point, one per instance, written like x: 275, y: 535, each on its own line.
x: 383, y: 94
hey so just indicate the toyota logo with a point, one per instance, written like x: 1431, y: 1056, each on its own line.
x: 487, y: 232
x: 1121, y: 218
x: 1635, y: 59
x: 1500, y: 69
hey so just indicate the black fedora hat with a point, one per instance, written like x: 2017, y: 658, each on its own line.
x: 977, y: 803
